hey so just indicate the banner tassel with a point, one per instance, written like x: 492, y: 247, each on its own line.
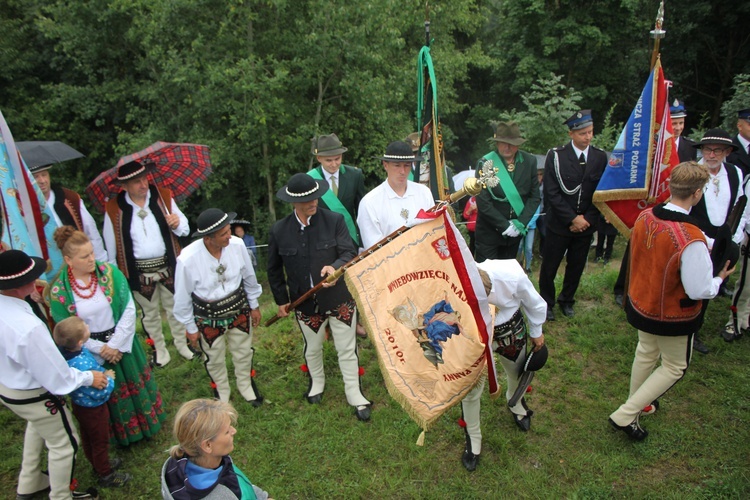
x: 420, y: 439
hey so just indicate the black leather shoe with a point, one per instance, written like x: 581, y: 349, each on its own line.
x: 32, y: 496
x: 363, y: 414
x: 634, y: 430
x: 619, y: 299
x: 469, y: 460
x: 550, y: 314
x: 257, y: 402
x: 728, y: 334
x: 315, y: 400
x: 523, y: 422
x: 700, y: 346
x: 567, y: 310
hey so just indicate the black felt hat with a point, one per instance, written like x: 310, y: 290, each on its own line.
x: 716, y: 136
x: 211, y: 220
x: 302, y: 188
x: 724, y: 250
x: 399, y: 151
x: 18, y: 269
x: 129, y: 170
x: 536, y: 360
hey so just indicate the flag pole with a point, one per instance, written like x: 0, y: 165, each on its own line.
x: 657, y: 34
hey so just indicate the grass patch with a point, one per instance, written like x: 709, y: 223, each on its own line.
x: 697, y: 448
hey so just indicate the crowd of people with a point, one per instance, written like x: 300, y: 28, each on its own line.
x: 210, y: 293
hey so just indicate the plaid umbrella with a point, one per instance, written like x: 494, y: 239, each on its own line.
x: 179, y: 167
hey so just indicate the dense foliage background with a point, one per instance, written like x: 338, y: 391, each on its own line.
x: 256, y: 79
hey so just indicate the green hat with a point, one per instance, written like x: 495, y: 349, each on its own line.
x: 508, y: 132
x: 327, y: 145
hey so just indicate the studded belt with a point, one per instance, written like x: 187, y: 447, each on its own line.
x: 151, y: 265
x: 227, y: 307
x: 103, y: 336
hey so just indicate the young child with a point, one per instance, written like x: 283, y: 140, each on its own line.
x: 89, y: 404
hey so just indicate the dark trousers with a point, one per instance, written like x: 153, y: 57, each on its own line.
x: 498, y: 252
x: 600, y: 240
x: 94, y: 430
x: 555, y: 246
x: 619, y: 287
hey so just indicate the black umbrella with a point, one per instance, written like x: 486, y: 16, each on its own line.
x: 40, y: 153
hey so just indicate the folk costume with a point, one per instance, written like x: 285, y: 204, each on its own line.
x: 513, y: 201
x: 141, y: 244
x: 347, y: 185
x: 670, y: 274
x: 382, y: 211
x: 183, y: 480
x: 519, y: 310
x: 570, y: 179
x: 741, y: 155
x: 106, y: 305
x: 214, y: 297
x: 685, y: 147
x: 297, y: 253
x: 33, y: 379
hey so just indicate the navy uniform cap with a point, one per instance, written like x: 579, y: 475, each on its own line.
x: 580, y: 119
x: 677, y: 109
x: 744, y: 114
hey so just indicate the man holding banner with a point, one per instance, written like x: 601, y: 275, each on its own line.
x: 504, y: 211
x: 512, y: 293
x: 571, y: 174
x: 303, y: 249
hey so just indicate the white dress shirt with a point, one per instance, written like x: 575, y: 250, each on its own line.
x: 29, y: 358
x: 196, y: 273
x: 382, y: 211
x: 89, y: 227
x: 146, y: 235
x: 696, y: 268
x: 96, y: 312
x: 512, y: 290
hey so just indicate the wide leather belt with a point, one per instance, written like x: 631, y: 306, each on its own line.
x: 505, y: 333
x: 151, y: 265
x: 227, y: 307
x: 103, y: 336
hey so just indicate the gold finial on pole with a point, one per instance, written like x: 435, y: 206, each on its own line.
x: 657, y: 33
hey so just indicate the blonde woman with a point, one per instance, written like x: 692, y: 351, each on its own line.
x: 199, y: 466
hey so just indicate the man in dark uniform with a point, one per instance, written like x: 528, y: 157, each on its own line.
x: 571, y: 174
x: 303, y: 249
x: 347, y: 184
x: 504, y: 211
x: 685, y: 147
x: 741, y: 156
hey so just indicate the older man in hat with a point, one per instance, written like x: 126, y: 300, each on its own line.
x: 65, y: 208
x: 397, y: 201
x: 347, y: 184
x: 671, y: 275
x: 141, y: 226
x: 304, y: 248
x: 685, y: 147
x: 519, y: 310
x: 741, y: 156
x: 504, y: 211
x: 216, y: 298
x: 33, y: 377
x: 571, y: 174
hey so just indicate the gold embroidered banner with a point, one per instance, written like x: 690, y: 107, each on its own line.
x: 422, y: 302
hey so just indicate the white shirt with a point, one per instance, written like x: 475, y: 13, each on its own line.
x: 146, y: 235
x: 512, y: 290
x: 696, y: 268
x: 29, y: 358
x: 96, y: 312
x: 196, y: 273
x: 717, y: 198
x: 89, y: 227
x: 578, y: 152
x: 382, y: 211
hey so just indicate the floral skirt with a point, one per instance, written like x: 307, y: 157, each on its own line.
x: 135, y: 407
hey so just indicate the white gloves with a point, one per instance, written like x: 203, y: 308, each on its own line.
x: 511, y: 232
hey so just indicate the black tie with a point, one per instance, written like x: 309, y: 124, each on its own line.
x: 582, y: 160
